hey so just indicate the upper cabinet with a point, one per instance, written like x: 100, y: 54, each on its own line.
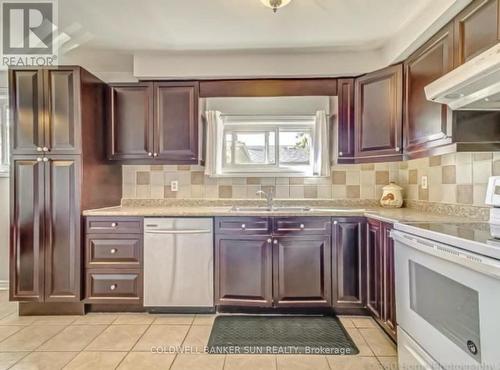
x: 157, y: 121
x: 476, y: 29
x: 44, y: 107
x: 378, y: 115
x: 427, y: 124
x: 345, y: 148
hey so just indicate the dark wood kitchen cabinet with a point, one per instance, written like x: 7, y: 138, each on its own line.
x: 348, y: 267
x: 58, y: 168
x: 243, y: 270
x: 477, y: 28
x: 381, y: 275
x: 378, y: 115
x: 427, y: 124
x: 346, y: 130
x: 153, y: 121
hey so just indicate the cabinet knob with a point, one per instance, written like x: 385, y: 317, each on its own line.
x: 302, y: 226
x: 114, y: 224
x: 269, y: 240
x: 39, y: 159
x: 113, y: 250
x: 45, y: 149
x: 335, y: 222
x: 45, y: 159
x: 112, y: 287
x: 155, y: 155
x: 150, y: 154
x: 275, y: 241
x: 243, y: 226
x: 39, y: 149
x: 341, y: 154
x: 398, y: 149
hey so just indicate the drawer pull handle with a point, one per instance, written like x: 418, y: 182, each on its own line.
x: 113, y: 250
x: 243, y: 226
x: 302, y: 226
x: 275, y: 241
x: 114, y: 224
x: 269, y: 240
x: 112, y: 287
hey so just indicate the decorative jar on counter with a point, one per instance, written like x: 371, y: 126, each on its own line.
x: 392, y: 196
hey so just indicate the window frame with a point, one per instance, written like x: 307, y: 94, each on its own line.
x: 267, y: 124
x: 4, y: 133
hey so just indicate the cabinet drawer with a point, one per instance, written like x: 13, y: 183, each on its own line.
x: 113, y: 251
x: 243, y: 225
x: 302, y: 226
x: 125, y: 225
x: 123, y: 286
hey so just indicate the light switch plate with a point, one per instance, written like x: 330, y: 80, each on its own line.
x: 424, y: 184
x: 174, y: 186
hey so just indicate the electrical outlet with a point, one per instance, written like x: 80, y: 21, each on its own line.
x: 424, y: 184
x: 174, y: 185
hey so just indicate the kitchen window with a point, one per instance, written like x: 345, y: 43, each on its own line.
x: 4, y: 133
x: 266, y: 146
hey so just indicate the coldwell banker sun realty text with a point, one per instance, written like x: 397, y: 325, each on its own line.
x: 28, y: 33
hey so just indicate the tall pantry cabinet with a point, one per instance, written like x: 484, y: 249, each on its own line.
x: 58, y: 169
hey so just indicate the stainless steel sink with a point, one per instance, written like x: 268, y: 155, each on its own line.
x: 270, y: 209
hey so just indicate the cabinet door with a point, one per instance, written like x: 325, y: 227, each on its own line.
x: 476, y: 29
x: 27, y: 225
x: 302, y: 271
x: 26, y: 106
x: 374, y: 269
x: 130, y: 121
x: 378, y: 114
x: 176, y: 126
x: 62, y: 240
x: 427, y: 124
x: 346, y: 129
x: 243, y: 271
x: 389, y: 281
x: 62, y: 111
x: 348, y: 269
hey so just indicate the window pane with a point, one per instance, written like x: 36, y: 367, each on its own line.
x: 295, y: 147
x: 229, y: 148
x: 250, y: 148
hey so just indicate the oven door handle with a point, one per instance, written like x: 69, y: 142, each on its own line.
x: 478, y: 263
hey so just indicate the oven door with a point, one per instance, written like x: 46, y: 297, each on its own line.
x: 448, y: 301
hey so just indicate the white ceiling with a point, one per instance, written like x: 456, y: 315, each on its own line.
x: 236, y: 24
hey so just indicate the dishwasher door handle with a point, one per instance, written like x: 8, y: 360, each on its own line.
x: 177, y: 232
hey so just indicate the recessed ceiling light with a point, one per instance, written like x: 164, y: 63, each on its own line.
x: 275, y: 4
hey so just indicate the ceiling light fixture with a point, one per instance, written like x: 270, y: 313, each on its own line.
x: 275, y: 4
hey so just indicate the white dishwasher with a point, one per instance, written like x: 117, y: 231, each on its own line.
x: 178, y: 264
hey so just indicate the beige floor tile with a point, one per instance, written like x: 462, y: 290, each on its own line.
x: 380, y: 344
x: 260, y: 362
x: 14, y: 319
x: 73, y: 338
x: 134, y: 319
x: 174, y: 319
x: 197, y: 362
x: 45, y: 361
x: 7, y: 330
x: 302, y: 362
x: 29, y: 338
x: 95, y: 319
x: 363, y: 322
x: 54, y: 320
x: 7, y: 359
x: 117, y: 338
x: 166, y: 338
x: 353, y: 363
x: 96, y: 361
x: 204, y: 319
x: 147, y: 360
x: 347, y: 322
x: 389, y: 363
x: 197, y: 338
x: 360, y: 342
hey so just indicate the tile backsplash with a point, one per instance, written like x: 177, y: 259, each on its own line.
x: 459, y: 178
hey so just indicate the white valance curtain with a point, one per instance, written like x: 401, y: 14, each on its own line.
x: 214, y: 137
x: 321, y: 147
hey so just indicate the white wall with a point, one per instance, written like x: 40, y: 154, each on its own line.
x: 4, y: 215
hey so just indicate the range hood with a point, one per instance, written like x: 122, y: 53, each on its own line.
x: 475, y: 85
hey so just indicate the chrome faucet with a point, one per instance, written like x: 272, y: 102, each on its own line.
x: 269, y: 197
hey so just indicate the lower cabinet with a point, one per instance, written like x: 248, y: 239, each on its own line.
x: 288, y: 267
x: 380, y: 275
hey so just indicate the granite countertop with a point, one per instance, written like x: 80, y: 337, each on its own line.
x: 168, y: 210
